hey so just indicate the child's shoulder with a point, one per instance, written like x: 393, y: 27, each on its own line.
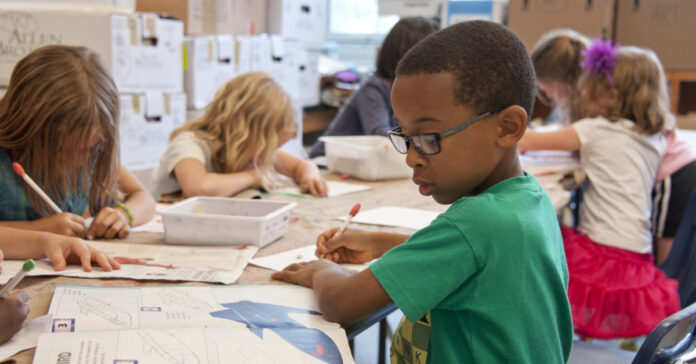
x: 506, y: 199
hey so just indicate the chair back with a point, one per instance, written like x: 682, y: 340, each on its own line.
x: 672, y: 341
x: 681, y: 262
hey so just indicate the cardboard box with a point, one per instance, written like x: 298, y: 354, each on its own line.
x: 212, y: 16
x: 458, y: 11
x: 665, y: 26
x: 124, y: 6
x: 209, y: 63
x: 687, y: 121
x: 241, y: 17
x: 303, y: 21
x: 309, y: 78
x: 426, y: 8
x: 147, y: 120
x: 261, y: 55
x: 142, y: 51
x: 530, y: 19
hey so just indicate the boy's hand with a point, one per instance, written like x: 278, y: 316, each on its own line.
x: 63, y: 250
x: 109, y: 223
x: 352, y: 246
x: 302, y: 273
x: 64, y: 223
x: 312, y: 182
x: 13, y: 312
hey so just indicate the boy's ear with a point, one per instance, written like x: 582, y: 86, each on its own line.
x: 512, y: 123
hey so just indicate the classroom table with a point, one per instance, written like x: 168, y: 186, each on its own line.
x: 310, y: 217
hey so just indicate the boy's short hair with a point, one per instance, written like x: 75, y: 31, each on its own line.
x: 490, y: 65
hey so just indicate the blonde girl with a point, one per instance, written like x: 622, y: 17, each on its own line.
x: 234, y: 145
x: 59, y: 120
x: 615, y: 290
x: 556, y: 58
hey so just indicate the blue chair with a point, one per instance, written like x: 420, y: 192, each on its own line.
x: 672, y: 341
x: 681, y: 262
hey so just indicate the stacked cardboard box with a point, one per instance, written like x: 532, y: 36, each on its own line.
x: 142, y: 52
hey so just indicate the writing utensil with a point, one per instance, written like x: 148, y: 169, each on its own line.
x: 26, y: 267
x: 353, y: 212
x: 20, y: 171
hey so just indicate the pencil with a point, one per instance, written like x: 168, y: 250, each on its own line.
x: 26, y: 267
x: 20, y: 171
x: 353, y: 212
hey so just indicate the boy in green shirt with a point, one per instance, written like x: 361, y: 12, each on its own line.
x: 490, y: 271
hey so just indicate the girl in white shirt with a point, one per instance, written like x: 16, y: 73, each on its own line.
x: 615, y: 290
x: 234, y: 146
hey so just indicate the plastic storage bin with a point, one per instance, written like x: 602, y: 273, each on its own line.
x: 225, y: 221
x: 367, y: 157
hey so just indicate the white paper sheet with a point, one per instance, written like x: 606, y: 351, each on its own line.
x: 191, y: 324
x: 336, y: 188
x: 154, y: 262
x: 546, y: 162
x: 415, y: 219
x: 279, y: 261
x: 27, y: 337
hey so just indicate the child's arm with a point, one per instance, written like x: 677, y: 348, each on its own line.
x: 13, y: 312
x: 65, y: 223
x: 305, y: 173
x: 564, y: 139
x: 343, y: 295
x: 195, y: 180
x: 356, y: 246
x: 113, y: 221
x: 24, y: 244
x: 138, y: 199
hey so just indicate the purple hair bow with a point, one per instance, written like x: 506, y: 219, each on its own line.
x: 600, y: 57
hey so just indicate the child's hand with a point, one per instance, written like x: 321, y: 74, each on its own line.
x: 64, y: 223
x: 351, y: 246
x: 13, y: 312
x: 256, y: 178
x: 109, y: 222
x: 312, y: 182
x: 302, y: 273
x: 62, y: 250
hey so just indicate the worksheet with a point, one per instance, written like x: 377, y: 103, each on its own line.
x: 336, y: 188
x: 411, y: 218
x: 153, y: 262
x: 190, y: 324
x: 281, y: 260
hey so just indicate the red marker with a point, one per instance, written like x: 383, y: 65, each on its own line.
x: 351, y: 215
x: 20, y: 171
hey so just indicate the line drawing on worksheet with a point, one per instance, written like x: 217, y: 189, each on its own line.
x: 107, y: 311
x: 179, y: 298
x: 168, y: 347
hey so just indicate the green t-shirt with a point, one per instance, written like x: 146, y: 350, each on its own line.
x: 492, y: 273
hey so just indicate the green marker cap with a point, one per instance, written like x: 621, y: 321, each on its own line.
x: 29, y: 264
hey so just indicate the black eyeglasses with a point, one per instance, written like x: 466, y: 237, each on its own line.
x: 429, y: 143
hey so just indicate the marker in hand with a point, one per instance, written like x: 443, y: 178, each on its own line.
x: 20, y: 171
x: 351, y: 215
x: 26, y: 267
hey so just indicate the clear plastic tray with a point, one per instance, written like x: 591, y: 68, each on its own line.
x: 225, y: 221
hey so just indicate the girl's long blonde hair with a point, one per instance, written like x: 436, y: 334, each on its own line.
x: 58, y: 97
x: 639, y: 87
x: 243, y: 122
x: 556, y: 58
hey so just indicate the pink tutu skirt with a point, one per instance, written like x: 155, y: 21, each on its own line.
x: 615, y: 293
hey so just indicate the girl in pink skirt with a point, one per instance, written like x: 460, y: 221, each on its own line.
x: 615, y: 289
